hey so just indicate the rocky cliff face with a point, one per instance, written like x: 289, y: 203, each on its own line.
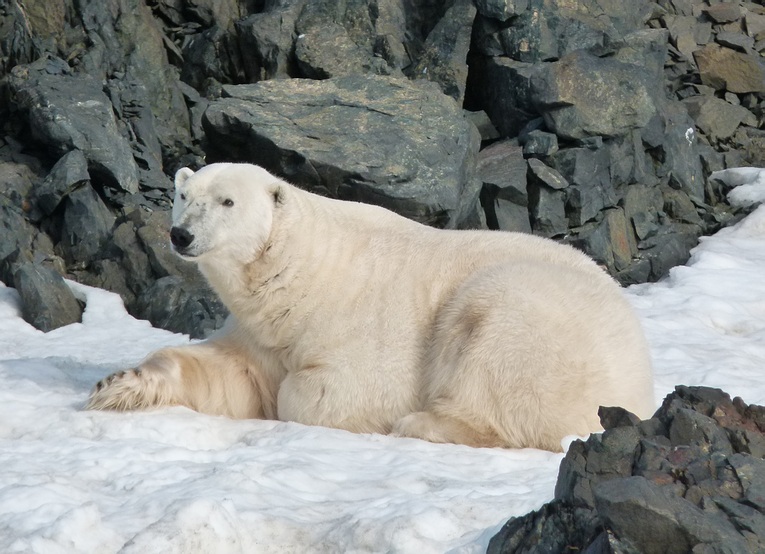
x: 592, y: 122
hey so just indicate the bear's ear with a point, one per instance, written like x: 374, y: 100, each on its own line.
x: 181, y: 175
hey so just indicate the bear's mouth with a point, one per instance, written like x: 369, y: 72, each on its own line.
x: 185, y: 253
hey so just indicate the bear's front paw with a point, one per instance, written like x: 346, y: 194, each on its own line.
x: 125, y: 390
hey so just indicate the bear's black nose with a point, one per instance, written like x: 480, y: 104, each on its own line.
x: 180, y: 237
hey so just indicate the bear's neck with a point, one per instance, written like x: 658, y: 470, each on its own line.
x: 261, y: 290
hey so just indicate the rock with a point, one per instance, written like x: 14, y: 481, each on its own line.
x: 679, y: 206
x: 716, y: 118
x: 621, y: 238
x: 69, y: 173
x: 334, y: 40
x: 212, y: 54
x: 593, y: 239
x: 673, y: 483
x: 540, y: 143
x: 171, y: 303
x: 443, y: 58
x: 490, y: 79
x: 502, y: 170
x: 268, y: 37
x: 554, y: 528
x: 679, y: 153
x: 383, y: 140
x: 547, y: 175
x: 501, y: 10
x: 46, y: 300
x: 614, y: 99
x: 667, y: 249
x: 67, y: 112
x: 484, y: 125
x: 724, y: 68
x: 590, y: 190
x: 547, y: 199
x: 668, y: 524
x: 612, y: 417
x: 18, y: 236
x: 126, y: 40
x: 86, y: 226
x: 723, y: 12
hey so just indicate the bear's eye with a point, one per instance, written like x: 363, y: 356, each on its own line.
x: 228, y: 202
x: 183, y: 196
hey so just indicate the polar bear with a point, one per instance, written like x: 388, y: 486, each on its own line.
x: 347, y: 315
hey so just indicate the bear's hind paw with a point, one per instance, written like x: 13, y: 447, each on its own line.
x: 124, y: 391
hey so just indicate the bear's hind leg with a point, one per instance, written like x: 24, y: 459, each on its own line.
x: 209, y: 377
x: 441, y: 429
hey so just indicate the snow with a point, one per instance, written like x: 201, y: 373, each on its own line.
x: 173, y: 480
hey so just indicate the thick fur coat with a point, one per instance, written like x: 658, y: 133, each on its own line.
x: 347, y: 315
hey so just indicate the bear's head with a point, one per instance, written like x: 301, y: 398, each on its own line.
x: 223, y: 211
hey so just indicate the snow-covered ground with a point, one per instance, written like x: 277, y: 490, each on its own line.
x: 177, y: 481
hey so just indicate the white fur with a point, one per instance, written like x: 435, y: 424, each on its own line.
x: 347, y: 315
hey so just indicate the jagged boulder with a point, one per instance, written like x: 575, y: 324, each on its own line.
x: 692, y: 478
x: 385, y: 140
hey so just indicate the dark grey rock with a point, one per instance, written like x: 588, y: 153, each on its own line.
x: 546, y: 175
x: 667, y: 523
x: 67, y: 112
x: 594, y: 240
x: 591, y: 189
x: 548, y: 30
x: 540, y: 143
x: 641, y: 206
x: 621, y: 238
x: 502, y: 170
x: 716, y: 118
x: 689, y: 427
x: 182, y: 307
x: 501, y: 10
x: 679, y: 153
x: 737, y: 41
x: 667, y: 250
x: 679, y: 206
x: 334, y: 40
x: 69, y: 173
x: 502, y: 165
x: 131, y: 101
x: 46, y: 300
x: 86, y: 226
x: 615, y: 416
x: 672, y: 483
x: 616, y: 97
x: 445, y: 51
x: 268, y: 39
x: 491, y: 80
x: 126, y: 40
x: 383, y: 140
x: 547, y: 210
x: 484, y: 125
x: 505, y: 215
x: 212, y: 54
x: 17, y: 239
x: 547, y: 191
x: 556, y: 527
